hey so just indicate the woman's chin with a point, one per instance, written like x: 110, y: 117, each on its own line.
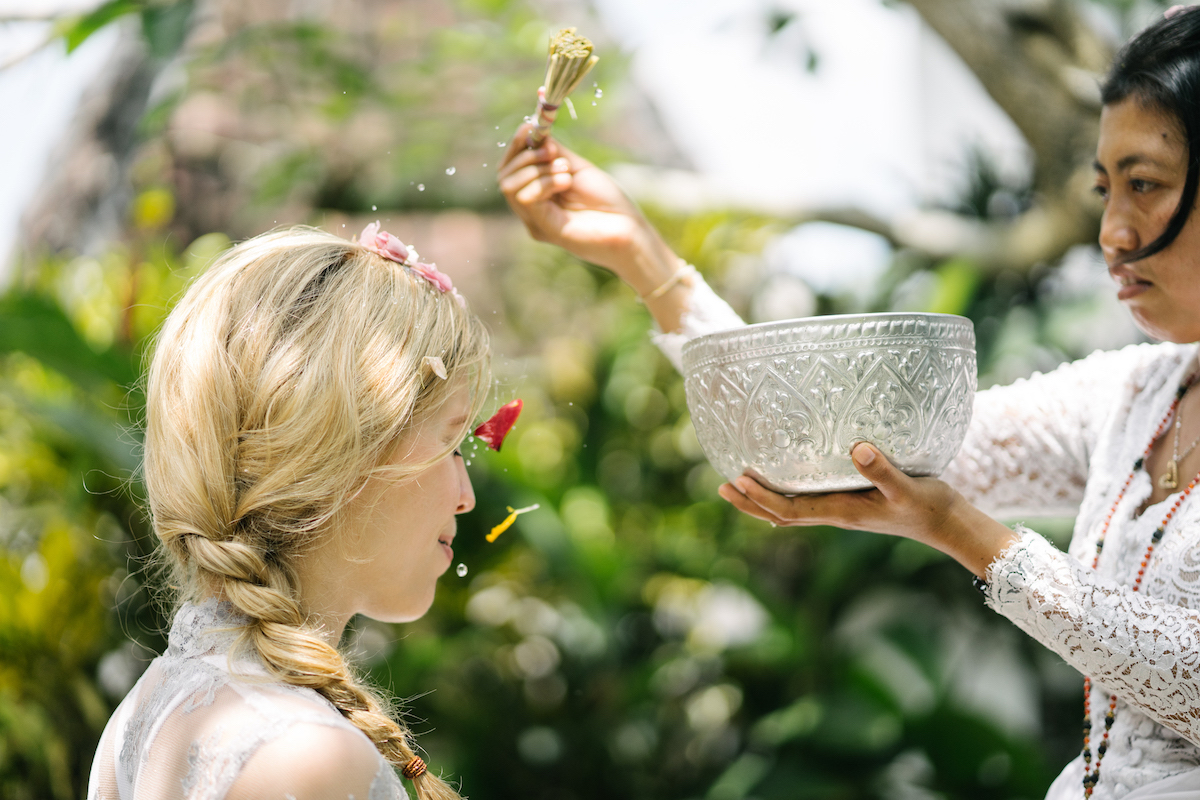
x: 1186, y: 332
x: 408, y: 611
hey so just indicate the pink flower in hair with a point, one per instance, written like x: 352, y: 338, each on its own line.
x: 430, y: 273
x: 384, y: 244
x: 1175, y: 11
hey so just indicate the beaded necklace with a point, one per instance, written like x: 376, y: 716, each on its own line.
x: 1091, y: 773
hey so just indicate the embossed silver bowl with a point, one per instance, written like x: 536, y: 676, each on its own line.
x: 786, y: 401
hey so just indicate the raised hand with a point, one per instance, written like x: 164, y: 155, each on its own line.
x: 565, y: 200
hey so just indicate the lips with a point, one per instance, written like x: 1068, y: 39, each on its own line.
x: 1130, y: 282
x: 446, y: 540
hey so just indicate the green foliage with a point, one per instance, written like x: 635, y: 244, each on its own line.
x: 635, y: 636
x: 164, y: 24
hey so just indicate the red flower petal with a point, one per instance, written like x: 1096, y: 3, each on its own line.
x: 495, y: 429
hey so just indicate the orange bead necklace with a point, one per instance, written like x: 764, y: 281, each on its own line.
x: 1091, y: 772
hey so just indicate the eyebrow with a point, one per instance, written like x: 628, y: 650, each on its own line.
x: 1129, y: 161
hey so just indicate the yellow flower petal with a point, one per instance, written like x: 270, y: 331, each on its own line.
x: 509, y: 520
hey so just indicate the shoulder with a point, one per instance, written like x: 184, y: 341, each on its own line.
x: 311, y: 761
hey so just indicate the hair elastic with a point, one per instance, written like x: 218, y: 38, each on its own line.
x: 413, y: 769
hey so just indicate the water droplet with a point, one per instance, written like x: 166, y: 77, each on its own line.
x: 462, y: 570
x: 374, y: 208
x: 529, y: 120
x: 497, y: 127
x: 501, y: 144
x: 599, y: 92
x: 420, y: 187
x: 450, y: 170
x: 593, y: 102
x: 485, y: 164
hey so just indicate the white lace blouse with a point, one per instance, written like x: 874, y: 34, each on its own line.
x: 1060, y: 444
x: 203, y: 724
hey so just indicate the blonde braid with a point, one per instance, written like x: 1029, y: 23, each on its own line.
x: 266, y: 412
x: 297, y: 655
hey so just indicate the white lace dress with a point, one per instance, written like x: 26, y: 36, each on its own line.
x: 1060, y: 444
x: 198, y: 727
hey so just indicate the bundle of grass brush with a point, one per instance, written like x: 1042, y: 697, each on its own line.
x: 570, y: 61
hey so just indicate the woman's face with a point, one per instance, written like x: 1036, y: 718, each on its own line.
x: 1141, y: 163
x: 395, y: 541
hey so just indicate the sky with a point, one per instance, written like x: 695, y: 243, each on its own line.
x: 851, y: 104
x: 884, y: 120
x: 46, y: 87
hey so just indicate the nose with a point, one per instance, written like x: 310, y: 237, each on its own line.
x: 466, y: 492
x: 1118, y: 234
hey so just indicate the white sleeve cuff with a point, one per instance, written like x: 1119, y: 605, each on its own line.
x: 706, y: 313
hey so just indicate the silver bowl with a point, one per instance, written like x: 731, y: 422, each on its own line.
x: 786, y: 401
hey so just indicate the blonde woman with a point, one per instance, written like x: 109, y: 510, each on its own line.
x: 305, y: 402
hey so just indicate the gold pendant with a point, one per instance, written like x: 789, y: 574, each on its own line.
x: 1170, y: 478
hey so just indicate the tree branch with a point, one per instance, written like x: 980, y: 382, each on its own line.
x: 1039, y: 236
x: 1041, y: 62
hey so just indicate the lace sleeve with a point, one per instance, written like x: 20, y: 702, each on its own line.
x: 1029, y: 446
x: 1141, y: 649
x: 706, y: 313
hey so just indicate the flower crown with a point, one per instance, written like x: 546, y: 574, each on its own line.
x: 384, y: 244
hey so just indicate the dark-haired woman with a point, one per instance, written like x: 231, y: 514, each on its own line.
x: 1113, y: 438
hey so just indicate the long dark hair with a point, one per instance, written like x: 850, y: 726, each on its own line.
x: 1161, y: 68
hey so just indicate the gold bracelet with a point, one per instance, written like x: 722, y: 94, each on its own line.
x: 679, y: 274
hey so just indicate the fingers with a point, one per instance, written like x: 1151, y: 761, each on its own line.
x: 875, y: 467
x: 517, y: 144
x: 773, y: 503
x: 752, y: 497
x: 524, y: 158
x: 522, y: 175
x: 747, y: 506
x: 542, y: 188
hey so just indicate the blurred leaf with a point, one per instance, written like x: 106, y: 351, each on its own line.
x: 153, y: 208
x: 164, y: 24
x: 165, y: 27
x: 78, y: 30
x: 31, y: 324
x: 957, y: 281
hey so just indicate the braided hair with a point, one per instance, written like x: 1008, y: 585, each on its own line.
x: 280, y: 383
